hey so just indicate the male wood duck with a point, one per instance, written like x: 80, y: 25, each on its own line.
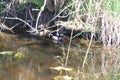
x: 57, y: 37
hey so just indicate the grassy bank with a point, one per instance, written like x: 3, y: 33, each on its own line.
x: 101, y: 19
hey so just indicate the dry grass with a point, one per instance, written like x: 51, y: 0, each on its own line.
x: 95, y: 20
x: 110, y: 29
x: 104, y: 66
x: 102, y: 63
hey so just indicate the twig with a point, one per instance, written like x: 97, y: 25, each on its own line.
x: 64, y: 16
x: 3, y: 26
x: 39, y: 14
x: 22, y: 21
x: 68, y: 52
x: 88, y: 49
x: 61, y: 12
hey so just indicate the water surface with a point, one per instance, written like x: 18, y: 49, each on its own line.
x: 38, y: 57
x: 39, y: 54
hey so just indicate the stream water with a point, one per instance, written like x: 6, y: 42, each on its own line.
x: 39, y: 55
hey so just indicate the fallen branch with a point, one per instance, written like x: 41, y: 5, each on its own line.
x: 16, y: 18
x: 39, y: 14
x: 4, y: 27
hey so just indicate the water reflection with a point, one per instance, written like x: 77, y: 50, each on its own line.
x: 38, y: 57
x: 35, y: 63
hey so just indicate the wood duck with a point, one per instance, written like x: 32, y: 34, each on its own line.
x: 57, y: 37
